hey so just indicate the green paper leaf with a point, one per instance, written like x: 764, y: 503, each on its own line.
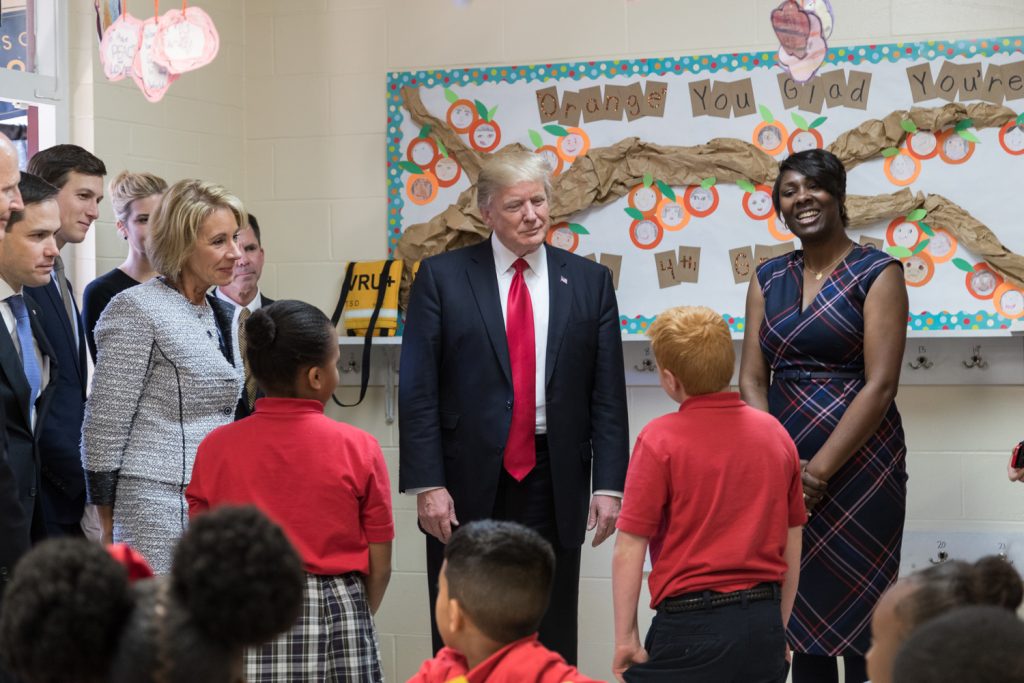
x: 890, y: 152
x: 898, y: 251
x: 578, y: 229
x: 708, y: 182
x: 908, y: 125
x: 634, y: 213
x: 491, y: 112
x: 963, y: 125
x: 666, y: 190
x: 969, y: 136
x: 557, y: 131
x: 536, y: 139
x: 441, y: 148
x: 800, y: 121
x: 425, y: 131
x: 818, y: 121
x: 766, y: 114
x: 963, y: 265
x: 926, y: 229
x: 410, y: 167
x: 648, y: 179
x: 1020, y: 119
x: 916, y: 215
x: 481, y: 109
x: 450, y: 95
x: 920, y: 247
x: 746, y: 185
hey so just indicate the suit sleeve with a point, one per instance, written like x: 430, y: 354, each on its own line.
x: 608, y: 413
x: 124, y: 339
x: 421, y: 462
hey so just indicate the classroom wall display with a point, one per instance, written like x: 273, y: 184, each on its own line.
x: 662, y: 167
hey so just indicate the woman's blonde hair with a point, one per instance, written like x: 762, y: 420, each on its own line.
x: 509, y: 169
x: 176, y: 222
x: 128, y: 186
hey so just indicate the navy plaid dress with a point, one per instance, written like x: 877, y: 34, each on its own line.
x: 851, y: 545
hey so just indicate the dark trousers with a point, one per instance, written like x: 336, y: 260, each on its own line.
x: 531, y: 503
x: 741, y: 643
x: 824, y: 669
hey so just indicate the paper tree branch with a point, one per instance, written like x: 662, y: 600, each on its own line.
x: 607, y: 173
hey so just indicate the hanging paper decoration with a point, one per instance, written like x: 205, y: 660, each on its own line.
x: 186, y: 40
x: 802, y: 27
x: 155, y: 51
x: 119, y: 45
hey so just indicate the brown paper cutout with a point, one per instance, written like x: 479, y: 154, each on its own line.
x: 783, y: 248
x: 590, y: 257
x: 571, y: 108
x: 947, y: 86
x: 762, y: 253
x: 700, y: 97
x: 872, y: 242
x: 612, y: 262
x: 593, y: 104
x: 992, y: 86
x: 807, y: 97
x: 1013, y: 80
x: 833, y: 86
x: 547, y: 104
x: 858, y: 86
x: 969, y: 80
x: 632, y: 101
x: 741, y: 263
x: 688, y: 264
x: 741, y: 96
x: 788, y: 90
x: 922, y: 85
x: 665, y: 263
x: 614, y: 101
x: 655, y: 98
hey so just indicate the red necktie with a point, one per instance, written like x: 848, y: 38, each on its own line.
x: 520, y: 449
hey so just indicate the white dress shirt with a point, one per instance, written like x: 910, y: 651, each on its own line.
x: 11, y: 323
x: 253, y: 306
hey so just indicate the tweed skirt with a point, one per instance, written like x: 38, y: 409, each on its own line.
x: 150, y: 516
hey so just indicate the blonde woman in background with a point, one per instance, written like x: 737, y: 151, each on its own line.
x: 135, y: 197
x: 162, y: 380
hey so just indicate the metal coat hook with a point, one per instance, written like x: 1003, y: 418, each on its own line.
x: 976, y: 361
x: 921, y: 361
x: 647, y: 364
x: 350, y: 366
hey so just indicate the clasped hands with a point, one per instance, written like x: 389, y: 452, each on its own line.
x: 814, y: 488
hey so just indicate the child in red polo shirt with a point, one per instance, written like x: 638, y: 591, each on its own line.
x: 323, y: 481
x: 715, y: 490
x: 493, y: 589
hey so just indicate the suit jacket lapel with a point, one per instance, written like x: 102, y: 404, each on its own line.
x: 10, y: 365
x: 560, y: 298
x: 484, y: 284
x: 53, y: 297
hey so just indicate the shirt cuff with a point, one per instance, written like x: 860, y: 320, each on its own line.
x: 422, y: 489
x: 101, y: 487
x: 613, y: 494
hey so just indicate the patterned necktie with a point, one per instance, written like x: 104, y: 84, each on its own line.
x: 65, y: 293
x: 520, y: 449
x: 29, y: 363
x: 250, y: 381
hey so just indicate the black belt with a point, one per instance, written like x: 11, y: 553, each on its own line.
x: 804, y: 375
x: 689, y: 602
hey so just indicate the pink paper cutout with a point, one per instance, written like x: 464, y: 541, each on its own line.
x: 185, y: 40
x: 153, y: 79
x: 800, y: 55
x: 119, y: 45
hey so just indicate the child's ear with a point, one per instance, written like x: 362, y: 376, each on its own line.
x: 668, y: 380
x: 315, y: 378
x: 456, y: 617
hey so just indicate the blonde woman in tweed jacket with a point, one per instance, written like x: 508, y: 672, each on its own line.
x: 162, y: 380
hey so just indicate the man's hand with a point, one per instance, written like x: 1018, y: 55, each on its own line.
x: 436, y: 511
x: 626, y: 656
x: 604, y: 510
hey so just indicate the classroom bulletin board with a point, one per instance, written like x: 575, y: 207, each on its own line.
x: 662, y: 167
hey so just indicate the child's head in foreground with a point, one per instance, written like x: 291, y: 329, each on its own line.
x: 976, y: 644
x: 495, y: 582
x: 931, y: 592
x: 72, y: 615
x: 692, y: 344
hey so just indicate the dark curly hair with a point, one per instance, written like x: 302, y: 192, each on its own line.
x: 283, y: 339
x: 71, y: 614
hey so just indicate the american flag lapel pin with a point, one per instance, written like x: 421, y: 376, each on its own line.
x: 564, y: 279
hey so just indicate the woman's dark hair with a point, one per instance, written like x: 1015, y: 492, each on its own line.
x: 70, y: 613
x: 822, y: 167
x: 283, y: 339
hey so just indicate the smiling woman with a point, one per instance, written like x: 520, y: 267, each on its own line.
x: 163, y: 380
x: 826, y: 327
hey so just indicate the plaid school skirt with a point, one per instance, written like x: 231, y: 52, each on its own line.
x: 333, y: 640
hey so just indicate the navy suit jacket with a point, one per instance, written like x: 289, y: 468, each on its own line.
x: 224, y: 313
x: 455, y: 394
x: 21, y: 518
x: 61, y: 438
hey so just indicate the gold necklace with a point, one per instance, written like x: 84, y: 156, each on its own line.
x: 818, y: 274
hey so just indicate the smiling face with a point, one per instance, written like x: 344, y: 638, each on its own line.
x: 983, y: 282
x: 924, y: 142
x: 29, y: 248
x: 213, y: 257
x: 79, y: 201
x: 518, y: 215
x: 562, y: 238
x: 137, y: 226
x: 462, y: 116
x: 671, y: 214
x: 915, y: 270
x: 446, y: 168
x: 804, y: 141
x: 484, y: 135
x: 572, y: 144
x: 810, y: 212
x: 955, y: 147
x: 905, y: 235
x: 760, y: 203
x: 769, y: 137
x: 902, y: 167
x: 1012, y: 303
x: 645, y: 199
x: 422, y: 152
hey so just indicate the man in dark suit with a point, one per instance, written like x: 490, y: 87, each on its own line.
x: 14, y: 528
x: 27, y: 362
x: 234, y: 303
x: 79, y: 177
x: 513, y: 389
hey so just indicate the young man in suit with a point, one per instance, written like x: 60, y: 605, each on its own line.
x: 27, y: 362
x: 513, y: 391
x: 237, y: 301
x: 14, y: 528
x: 78, y: 175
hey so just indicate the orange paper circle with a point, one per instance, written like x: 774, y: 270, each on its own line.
x: 948, y: 256
x: 763, y: 146
x: 747, y: 196
x: 890, y: 233
x: 666, y: 204
x: 566, y: 238
x: 887, y: 168
x: 921, y: 134
x: 993, y: 279
x: 481, y: 127
x: 447, y: 171
x: 583, y: 149
x: 918, y: 269
x: 634, y: 235
x: 688, y: 200
x: 414, y: 188
x: 948, y: 135
x: 644, y: 199
x: 551, y: 155
x: 455, y: 110
x: 779, y: 232
x: 1017, y: 299
x: 1004, y: 131
x: 418, y: 144
x: 818, y: 142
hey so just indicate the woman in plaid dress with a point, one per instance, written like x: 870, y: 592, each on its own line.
x: 829, y: 323
x: 324, y: 482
